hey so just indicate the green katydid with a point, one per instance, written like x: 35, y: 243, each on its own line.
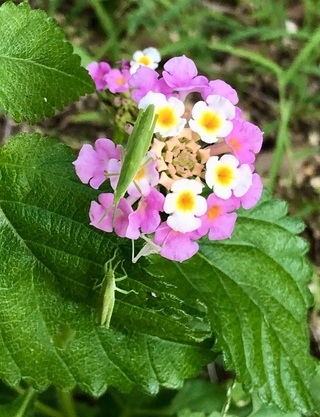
x: 137, y: 147
x: 138, y: 144
x: 148, y: 248
x: 107, y: 293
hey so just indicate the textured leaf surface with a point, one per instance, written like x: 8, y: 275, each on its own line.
x: 38, y: 71
x: 273, y: 412
x: 50, y: 262
x: 255, y: 289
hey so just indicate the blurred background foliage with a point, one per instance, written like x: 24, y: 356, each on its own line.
x: 269, y: 51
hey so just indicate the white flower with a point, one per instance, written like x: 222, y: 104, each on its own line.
x: 169, y: 122
x: 224, y: 176
x: 211, y: 119
x: 183, y: 204
x: 149, y: 57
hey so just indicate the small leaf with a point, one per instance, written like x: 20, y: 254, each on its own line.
x: 38, y: 71
x: 198, y: 395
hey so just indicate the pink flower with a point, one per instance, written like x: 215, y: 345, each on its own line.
x: 221, y: 88
x: 146, y: 217
x: 98, y: 72
x: 114, y: 169
x: 102, y: 215
x: 252, y: 196
x: 217, y: 220
x: 238, y: 112
x: 125, y: 64
x: 146, y: 79
x: 181, y: 74
x: 118, y: 80
x: 245, y: 140
x: 92, y: 164
x: 176, y: 246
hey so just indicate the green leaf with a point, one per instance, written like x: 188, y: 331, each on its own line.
x: 50, y: 262
x: 207, y: 397
x: 266, y: 411
x: 189, y: 413
x: 255, y: 289
x: 198, y: 395
x: 38, y: 70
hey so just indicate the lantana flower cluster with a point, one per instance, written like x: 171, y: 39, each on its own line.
x: 198, y: 171
x: 116, y: 79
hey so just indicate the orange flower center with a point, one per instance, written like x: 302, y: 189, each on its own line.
x: 235, y: 143
x: 225, y: 175
x: 120, y: 81
x: 140, y: 174
x: 210, y: 121
x: 166, y: 117
x: 145, y: 60
x: 186, y: 201
x: 214, y: 212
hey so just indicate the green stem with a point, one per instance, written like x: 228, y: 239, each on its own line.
x: 67, y: 404
x: 182, y: 46
x: 166, y: 3
x: 316, y: 283
x: 227, y: 404
x: 303, y: 56
x: 29, y: 395
x: 307, y: 209
x: 109, y: 28
x: 247, y: 54
x: 283, y: 134
x: 308, y: 7
x: 45, y: 409
x: 286, y: 106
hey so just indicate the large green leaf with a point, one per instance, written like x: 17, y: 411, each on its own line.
x: 252, y: 288
x: 50, y: 261
x: 38, y: 71
x: 255, y: 289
